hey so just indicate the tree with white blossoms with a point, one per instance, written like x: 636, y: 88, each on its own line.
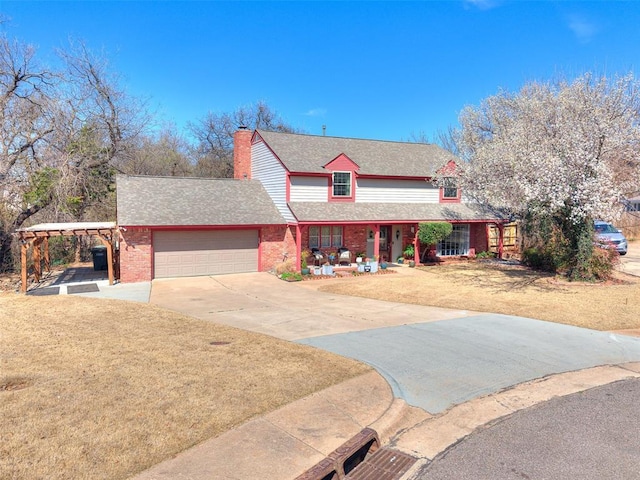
x: 558, y: 155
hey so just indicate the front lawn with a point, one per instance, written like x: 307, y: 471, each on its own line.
x: 488, y: 286
x: 103, y: 389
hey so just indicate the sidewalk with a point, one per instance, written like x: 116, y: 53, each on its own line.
x: 284, y: 444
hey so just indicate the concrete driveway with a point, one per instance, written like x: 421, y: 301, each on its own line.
x: 433, y: 358
x: 630, y: 263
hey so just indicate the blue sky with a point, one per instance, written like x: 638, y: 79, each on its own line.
x: 383, y: 70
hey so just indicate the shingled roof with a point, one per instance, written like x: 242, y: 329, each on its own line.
x: 178, y: 201
x: 391, y: 212
x: 309, y: 153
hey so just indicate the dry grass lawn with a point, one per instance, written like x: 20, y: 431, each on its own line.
x: 509, y: 289
x: 103, y: 389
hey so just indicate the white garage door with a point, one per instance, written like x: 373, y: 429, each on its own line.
x: 198, y: 252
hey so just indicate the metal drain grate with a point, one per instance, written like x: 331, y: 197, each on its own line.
x: 384, y: 464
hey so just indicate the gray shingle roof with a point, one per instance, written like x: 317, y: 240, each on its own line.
x: 176, y: 201
x: 309, y: 153
x: 390, y: 212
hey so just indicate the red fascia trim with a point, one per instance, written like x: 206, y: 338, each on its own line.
x: 208, y: 227
x: 287, y: 181
x: 309, y: 174
x: 393, y: 177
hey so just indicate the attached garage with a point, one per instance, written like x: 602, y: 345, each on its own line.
x: 204, y: 252
x: 186, y: 227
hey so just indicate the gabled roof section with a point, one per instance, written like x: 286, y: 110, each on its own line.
x: 310, y: 153
x: 179, y: 201
x: 341, y: 162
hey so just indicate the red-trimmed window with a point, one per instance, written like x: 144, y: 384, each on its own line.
x: 450, y: 190
x: 325, y: 236
x: 342, y: 184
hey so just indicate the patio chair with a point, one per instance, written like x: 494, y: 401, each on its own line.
x: 344, y: 256
x: 320, y: 257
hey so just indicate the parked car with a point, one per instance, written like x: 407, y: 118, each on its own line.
x: 610, y: 236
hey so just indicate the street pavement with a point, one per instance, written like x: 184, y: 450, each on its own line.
x: 437, y: 365
x: 590, y: 435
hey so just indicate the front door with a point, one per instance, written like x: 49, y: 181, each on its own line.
x: 385, y: 243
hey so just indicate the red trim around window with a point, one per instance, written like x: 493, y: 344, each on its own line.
x: 455, y: 199
x: 342, y: 198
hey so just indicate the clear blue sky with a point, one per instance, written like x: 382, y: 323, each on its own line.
x: 381, y: 70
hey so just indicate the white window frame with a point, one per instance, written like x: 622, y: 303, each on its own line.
x: 346, y: 184
x: 457, y: 243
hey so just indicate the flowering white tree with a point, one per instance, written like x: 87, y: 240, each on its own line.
x: 567, y: 151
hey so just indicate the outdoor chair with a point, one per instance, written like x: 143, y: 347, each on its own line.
x: 344, y: 256
x: 320, y: 257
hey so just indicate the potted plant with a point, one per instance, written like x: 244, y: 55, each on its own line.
x: 359, y: 257
x: 304, y: 267
x: 409, y: 253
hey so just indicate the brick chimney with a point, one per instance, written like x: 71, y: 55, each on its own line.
x: 242, y: 153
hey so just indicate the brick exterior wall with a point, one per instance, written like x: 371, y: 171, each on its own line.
x: 277, y: 244
x: 135, y: 255
x: 242, y: 154
x: 478, y: 237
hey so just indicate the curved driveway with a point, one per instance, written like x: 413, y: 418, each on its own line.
x: 433, y: 358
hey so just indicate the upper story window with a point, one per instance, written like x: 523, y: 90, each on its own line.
x: 450, y: 188
x: 341, y: 184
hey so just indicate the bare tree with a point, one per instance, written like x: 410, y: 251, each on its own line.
x: 164, y: 154
x: 26, y: 123
x: 62, y: 133
x: 214, y: 136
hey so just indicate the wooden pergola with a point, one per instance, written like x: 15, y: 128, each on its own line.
x: 38, y: 236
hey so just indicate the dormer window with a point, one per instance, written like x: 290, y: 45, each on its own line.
x: 341, y: 184
x: 450, y: 188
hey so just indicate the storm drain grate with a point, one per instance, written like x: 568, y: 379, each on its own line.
x: 384, y: 464
x: 345, y: 458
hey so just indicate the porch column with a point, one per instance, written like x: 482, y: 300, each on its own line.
x: 500, y: 239
x: 24, y: 248
x: 298, y: 247
x: 47, y: 260
x: 416, y: 246
x: 37, y: 266
x: 376, y: 241
x: 109, y: 246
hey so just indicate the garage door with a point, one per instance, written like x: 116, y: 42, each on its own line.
x: 212, y: 252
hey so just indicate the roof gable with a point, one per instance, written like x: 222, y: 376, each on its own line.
x: 310, y: 154
x: 341, y: 163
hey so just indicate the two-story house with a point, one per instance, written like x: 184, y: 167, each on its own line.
x: 291, y: 193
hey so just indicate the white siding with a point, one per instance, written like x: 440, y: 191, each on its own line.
x: 309, y: 189
x: 396, y: 191
x: 268, y: 169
